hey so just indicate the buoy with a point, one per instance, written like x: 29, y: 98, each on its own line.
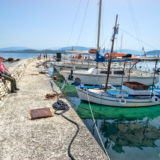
x: 55, y: 77
x: 106, y: 55
x: 155, y: 99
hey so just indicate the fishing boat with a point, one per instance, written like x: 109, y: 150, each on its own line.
x: 130, y: 94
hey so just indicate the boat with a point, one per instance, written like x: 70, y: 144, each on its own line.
x: 130, y: 94
x: 97, y: 76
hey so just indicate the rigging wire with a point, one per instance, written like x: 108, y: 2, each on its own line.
x: 74, y: 21
x: 97, y: 127
x: 121, y: 42
x: 134, y: 37
x: 135, y: 23
x: 106, y: 40
x: 83, y: 21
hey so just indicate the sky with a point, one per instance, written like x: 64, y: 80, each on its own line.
x: 42, y: 24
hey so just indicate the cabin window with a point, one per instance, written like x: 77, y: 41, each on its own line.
x: 105, y: 72
x: 119, y: 72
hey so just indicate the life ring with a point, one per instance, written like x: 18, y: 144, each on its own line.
x: 155, y: 99
x: 106, y: 55
x: 122, y: 101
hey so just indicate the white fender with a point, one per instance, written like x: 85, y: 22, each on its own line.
x: 155, y: 99
x: 122, y: 101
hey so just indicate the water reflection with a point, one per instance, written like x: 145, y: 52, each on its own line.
x: 122, y: 128
x: 106, y: 112
x: 129, y: 134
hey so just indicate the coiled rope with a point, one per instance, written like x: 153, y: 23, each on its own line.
x: 63, y: 107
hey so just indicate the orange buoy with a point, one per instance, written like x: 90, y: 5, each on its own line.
x: 55, y: 77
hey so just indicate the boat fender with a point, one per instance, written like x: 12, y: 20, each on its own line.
x: 122, y: 101
x: 106, y: 55
x: 55, y: 77
x: 155, y: 99
x: 157, y: 70
x: 77, y: 81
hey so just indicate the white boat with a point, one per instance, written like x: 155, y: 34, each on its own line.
x: 127, y: 97
x: 73, y: 65
x: 95, y: 76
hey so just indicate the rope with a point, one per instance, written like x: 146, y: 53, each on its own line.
x: 60, y: 105
x: 75, y: 18
x: 97, y: 128
x: 134, y: 37
x: 135, y: 23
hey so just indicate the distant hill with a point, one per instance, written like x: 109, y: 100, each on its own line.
x: 127, y: 51
x: 14, y: 49
x: 69, y: 48
x: 153, y: 53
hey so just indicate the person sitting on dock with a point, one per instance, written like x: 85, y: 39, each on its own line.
x: 6, y: 75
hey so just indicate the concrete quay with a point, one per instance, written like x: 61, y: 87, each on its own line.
x: 43, y: 139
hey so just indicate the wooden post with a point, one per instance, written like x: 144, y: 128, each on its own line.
x: 110, y: 58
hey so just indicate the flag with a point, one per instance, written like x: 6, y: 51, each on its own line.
x: 115, y: 32
x: 99, y: 57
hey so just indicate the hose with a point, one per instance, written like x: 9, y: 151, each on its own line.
x: 60, y: 105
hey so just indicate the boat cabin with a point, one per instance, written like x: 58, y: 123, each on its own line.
x: 136, y: 88
x: 104, y: 72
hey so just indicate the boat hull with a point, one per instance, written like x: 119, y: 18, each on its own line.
x: 94, y: 79
x: 104, y: 99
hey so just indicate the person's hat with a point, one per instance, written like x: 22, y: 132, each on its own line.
x: 1, y: 57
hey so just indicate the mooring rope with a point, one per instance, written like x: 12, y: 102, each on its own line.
x: 60, y: 105
x: 97, y: 127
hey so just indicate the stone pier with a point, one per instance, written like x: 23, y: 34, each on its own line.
x: 44, y: 139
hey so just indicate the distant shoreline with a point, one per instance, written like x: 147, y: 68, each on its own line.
x: 35, y: 51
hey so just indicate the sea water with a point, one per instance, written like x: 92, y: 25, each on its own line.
x: 18, y: 55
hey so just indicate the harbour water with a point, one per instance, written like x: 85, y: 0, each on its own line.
x: 127, y: 133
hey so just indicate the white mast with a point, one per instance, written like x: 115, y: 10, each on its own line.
x: 99, y: 26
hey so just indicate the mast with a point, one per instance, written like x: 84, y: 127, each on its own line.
x: 99, y: 26
x: 144, y: 51
x: 110, y: 58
